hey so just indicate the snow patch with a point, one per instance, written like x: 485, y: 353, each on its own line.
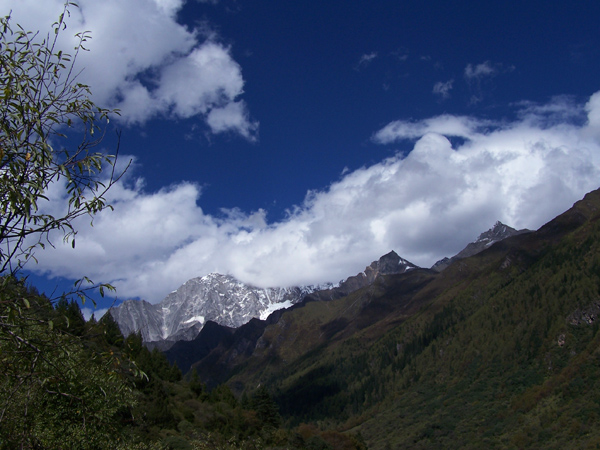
x: 274, y: 307
x: 199, y: 319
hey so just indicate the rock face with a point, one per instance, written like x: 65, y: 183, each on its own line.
x: 386, y: 265
x: 133, y: 316
x: 495, y: 234
x: 220, y: 298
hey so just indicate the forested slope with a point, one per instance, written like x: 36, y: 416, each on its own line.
x: 499, y: 350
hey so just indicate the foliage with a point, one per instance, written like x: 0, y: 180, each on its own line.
x: 266, y: 409
x: 40, y: 99
x: 53, y: 387
x: 57, y: 387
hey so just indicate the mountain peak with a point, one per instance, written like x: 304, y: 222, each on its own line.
x: 498, y: 232
x: 390, y: 264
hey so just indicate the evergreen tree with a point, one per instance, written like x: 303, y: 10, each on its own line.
x: 110, y: 330
x: 266, y: 409
x: 197, y: 387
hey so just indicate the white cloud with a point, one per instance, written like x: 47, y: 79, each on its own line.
x: 592, y: 109
x: 169, y: 7
x: 562, y: 109
x: 365, y: 60
x: 480, y: 76
x: 233, y: 117
x: 446, y: 124
x: 480, y: 70
x: 426, y: 205
x: 145, y: 63
x: 207, y: 77
x: 443, y: 88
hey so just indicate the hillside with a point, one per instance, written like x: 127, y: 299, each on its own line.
x: 498, y: 351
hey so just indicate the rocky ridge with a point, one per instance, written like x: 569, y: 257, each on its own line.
x: 486, y: 239
x: 220, y: 298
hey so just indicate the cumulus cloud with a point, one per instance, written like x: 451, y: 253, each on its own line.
x: 233, y: 117
x: 425, y: 205
x: 144, y: 63
x: 592, y: 109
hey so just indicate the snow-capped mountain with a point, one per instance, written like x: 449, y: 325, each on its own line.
x: 220, y: 298
x: 229, y: 302
x: 497, y: 233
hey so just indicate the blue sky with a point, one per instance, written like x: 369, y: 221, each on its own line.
x: 295, y: 142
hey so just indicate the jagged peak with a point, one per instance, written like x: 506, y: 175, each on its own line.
x: 498, y: 232
x: 213, y: 276
x: 391, y: 254
x: 390, y: 261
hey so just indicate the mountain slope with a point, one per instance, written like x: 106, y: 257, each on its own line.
x: 500, y: 350
x: 510, y: 362
x: 230, y: 354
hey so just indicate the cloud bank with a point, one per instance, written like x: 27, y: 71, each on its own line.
x: 144, y: 63
x: 462, y: 175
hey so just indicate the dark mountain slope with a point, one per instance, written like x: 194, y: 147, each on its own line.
x: 308, y: 333
x: 500, y: 350
x: 210, y: 337
x: 512, y: 362
x: 508, y: 361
